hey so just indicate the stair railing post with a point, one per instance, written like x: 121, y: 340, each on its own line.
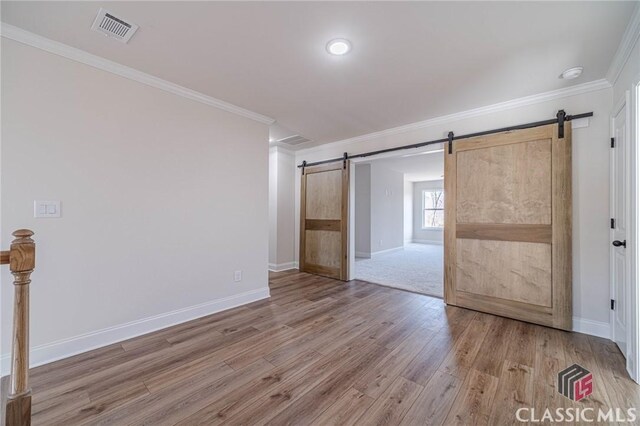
x: 22, y: 255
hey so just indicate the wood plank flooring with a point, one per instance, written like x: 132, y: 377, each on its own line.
x: 322, y: 352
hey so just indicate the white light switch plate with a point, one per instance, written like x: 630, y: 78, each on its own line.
x: 46, y: 209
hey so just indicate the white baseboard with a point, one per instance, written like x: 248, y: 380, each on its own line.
x: 277, y: 267
x: 436, y: 242
x: 377, y: 253
x: 44, y: 354
x: 363, y: 255
x: 594, y: 328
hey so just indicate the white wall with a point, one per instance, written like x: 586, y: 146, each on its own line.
x: 281, y: 209
x: 420, y: 235
x: 408, y: 211
x: 363, y: 210
x: 163, y: 198
x: 287, y: 222
x: 590, y: 175
x: 273, y: 207
x: 379, y: 209
x: 387, y: 208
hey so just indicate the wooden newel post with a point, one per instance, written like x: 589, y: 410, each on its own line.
x: 22, y: 259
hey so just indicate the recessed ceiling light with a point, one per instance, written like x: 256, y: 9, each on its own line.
x: 571, y: 73
x: 339, y: 46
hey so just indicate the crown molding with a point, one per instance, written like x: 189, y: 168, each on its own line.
x: 629, y: 39
x: 566, y: 92
x: 25, y: 37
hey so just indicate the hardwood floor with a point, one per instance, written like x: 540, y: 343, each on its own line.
x: 325, y: 352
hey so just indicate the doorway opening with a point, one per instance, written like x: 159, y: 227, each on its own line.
x: 399, y: 221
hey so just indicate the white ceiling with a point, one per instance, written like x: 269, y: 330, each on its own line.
x: 411, y: 61
x: 416, y: 167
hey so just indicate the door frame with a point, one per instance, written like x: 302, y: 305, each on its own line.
x: 352, y: 194
x: 631, y: 98
x: 633, y: 346
x: 624, y: 103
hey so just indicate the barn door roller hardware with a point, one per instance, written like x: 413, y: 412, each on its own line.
x: 345, y: 157
x: 561, y: 118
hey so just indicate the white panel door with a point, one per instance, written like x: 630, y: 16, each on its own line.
x: 619, y: 206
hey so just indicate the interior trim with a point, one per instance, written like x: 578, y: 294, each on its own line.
x: 629, y: 39
x: 25, y: 37
x: 566, y: 92
x: 64, y: 348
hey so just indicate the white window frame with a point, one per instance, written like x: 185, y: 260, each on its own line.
x: 427, y: 228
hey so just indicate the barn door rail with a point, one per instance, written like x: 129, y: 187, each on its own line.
x: 21, y: 258
x: 561, y: 118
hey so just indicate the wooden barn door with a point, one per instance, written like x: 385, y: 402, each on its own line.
x: 324, y: 210
x: 508, y: 225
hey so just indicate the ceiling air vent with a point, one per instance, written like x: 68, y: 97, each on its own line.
x: 293, y: 140
x: 112, y: 26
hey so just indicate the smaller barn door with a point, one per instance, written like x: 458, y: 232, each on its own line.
x: 324, y: 210
x: 508, y: 225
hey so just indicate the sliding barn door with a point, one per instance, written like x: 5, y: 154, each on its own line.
x: 508, y: 225
x: 324, y: 211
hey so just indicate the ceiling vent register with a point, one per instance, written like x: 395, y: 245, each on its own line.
x: 293, y: 140
x: 112, y: 26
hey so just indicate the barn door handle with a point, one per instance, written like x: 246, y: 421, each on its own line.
x: 618, y: 243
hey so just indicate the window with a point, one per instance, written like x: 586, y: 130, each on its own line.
x: 433, y: 208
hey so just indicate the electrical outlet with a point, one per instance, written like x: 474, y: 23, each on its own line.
x: 237, y: 276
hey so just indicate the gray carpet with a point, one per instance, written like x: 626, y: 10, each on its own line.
x: 418, y: 268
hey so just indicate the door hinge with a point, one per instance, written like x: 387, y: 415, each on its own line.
x: 613, y: 142
x: 613, y: 223
x: 613, y: 304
